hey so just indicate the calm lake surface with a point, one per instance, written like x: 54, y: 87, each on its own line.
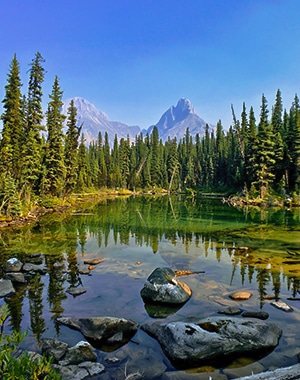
x: 135, y: 235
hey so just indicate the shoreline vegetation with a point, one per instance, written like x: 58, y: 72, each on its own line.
x: 76, y: 202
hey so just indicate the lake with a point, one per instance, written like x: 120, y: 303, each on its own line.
x: 251, y: 249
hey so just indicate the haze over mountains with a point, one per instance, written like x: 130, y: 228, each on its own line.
x: 173, y: 123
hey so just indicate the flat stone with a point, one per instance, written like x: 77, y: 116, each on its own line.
x: 231, y: 310
x: 181, y: 375
x: 287, y: 373
x: 93, y: 261
x: 253, y: 368
x: 92, y: 368
x: 240, y: 296
x: 282, y: 306
x: 256, y: 314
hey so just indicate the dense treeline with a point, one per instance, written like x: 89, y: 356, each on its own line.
x: 44, y: 156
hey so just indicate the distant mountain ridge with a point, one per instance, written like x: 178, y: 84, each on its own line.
x: 173, y: 123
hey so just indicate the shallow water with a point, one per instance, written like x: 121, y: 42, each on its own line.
x: 135, y: 235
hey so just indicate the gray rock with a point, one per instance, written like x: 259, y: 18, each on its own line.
x: 163, y: 287
x: 13, y: 265
x: 71, y: 372
x: 6, y: 288
x: 181, y: 375
x: 282, y: 306
x: 81, y: 352
x: 256, y: 314
x: 28, y: 267
x: 231, y: 310
x: 288, y: 373
x: 213, y: 338
x: 16, y: 277
x: 55, y: 348
x: 253, y: 368
x: 92, y: 368
x: 148, y: 366
x: 102, y: 330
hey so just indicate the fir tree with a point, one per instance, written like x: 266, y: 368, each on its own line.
x: 12, y: 133
x: 263, y: 160
x: 53, y: 182
x: 32, y: 148
x: 71, y: 148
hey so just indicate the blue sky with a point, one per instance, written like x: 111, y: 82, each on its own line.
x: 133, y: 59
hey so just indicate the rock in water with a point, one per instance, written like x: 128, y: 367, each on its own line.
x: 102, y: 330
x: 213, y: 338
x: 163, y: 287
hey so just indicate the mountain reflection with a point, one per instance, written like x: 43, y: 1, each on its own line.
x: 260, y: 246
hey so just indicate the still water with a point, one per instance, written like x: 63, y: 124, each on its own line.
x: 135, y: 235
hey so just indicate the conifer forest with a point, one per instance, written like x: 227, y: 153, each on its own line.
x: 44, y: 154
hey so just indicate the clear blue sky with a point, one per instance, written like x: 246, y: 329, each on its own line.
x: 135, y: 58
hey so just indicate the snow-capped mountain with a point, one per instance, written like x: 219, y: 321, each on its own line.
x: 173, y: 123
x: 177, y: 119
x: 94, y: 121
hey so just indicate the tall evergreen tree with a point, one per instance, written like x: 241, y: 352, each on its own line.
x: 264, y: 160
x: 32, y: 148
x: 12, y: 133
x: 53, y: 181
x: 71, y: 148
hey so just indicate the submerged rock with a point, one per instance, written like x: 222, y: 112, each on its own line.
x: 6, y: 288
x: 163, y: 287
x: 102, y: 330
x: 240, y: 296
x: 256, y: 314
x: 231, y: 310
x: 282, y: 306
x: 214, y: 338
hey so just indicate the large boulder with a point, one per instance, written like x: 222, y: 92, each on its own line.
x: 101, y: 331
x: 162, y: 286
x: 214, y: 338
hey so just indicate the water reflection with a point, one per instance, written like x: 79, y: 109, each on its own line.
x: 255, y: 248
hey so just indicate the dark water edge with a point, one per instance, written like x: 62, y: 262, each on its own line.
x: 135, y: 235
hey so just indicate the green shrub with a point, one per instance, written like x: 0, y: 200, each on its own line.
x: 23, y: 366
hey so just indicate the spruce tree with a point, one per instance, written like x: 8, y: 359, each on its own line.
x: 13, y: 131
x: 32, y: 148
x: 71, y: 148
x: 264, y: 160
x: 54, y: 166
